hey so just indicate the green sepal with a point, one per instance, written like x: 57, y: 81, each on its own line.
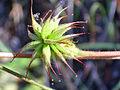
x: 60, y: 12
x: 31, y: 45
x: 69, y: 36
x: 60, y: 49
x: 33, y: 37
x: 46, y: 53
x: 46, y: 29
x: 36, y: 27
x: 53, y: 55
x: 72, y: 50
x: 51, y: 24
x: 38, y: 51
x: 48, y: 41
x: 35, y: 54
x: 54, y: 23
x: 62, y: 57
x: 59, y: 31
x: 58, y: 52
x: 55, y: 20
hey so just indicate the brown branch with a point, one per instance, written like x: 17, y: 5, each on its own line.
x: 99, y: 55
x: 83, y: 55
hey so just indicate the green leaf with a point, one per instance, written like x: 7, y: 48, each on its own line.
x: 117, y: 86
x: 111, y: 30
x: 3, y: 47
x: 94, y: 8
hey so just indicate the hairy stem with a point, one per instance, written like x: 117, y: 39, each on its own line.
x: 99, y: 55
x: 23, y: 78
x: 83, y: 55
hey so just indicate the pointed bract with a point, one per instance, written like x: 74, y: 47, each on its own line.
x: 46, y: 53
x: 70, y: 36
x: 36, y: 53
x: 32, y: 36
x: 36, y: 27
x: 31, y: 45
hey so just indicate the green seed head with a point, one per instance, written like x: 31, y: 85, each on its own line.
x: 50, y: 41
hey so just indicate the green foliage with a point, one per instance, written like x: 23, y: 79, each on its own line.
x: 32, y: 87
x: 117, y: 87
x: 94, y: 9
x: 3, y: 47
x: 111, y: 31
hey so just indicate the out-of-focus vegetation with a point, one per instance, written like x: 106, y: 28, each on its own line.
x: 104, y: 34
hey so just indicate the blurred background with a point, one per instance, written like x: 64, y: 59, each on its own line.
x: 102, y: 34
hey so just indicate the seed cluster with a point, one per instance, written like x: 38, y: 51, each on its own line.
x: 49, y: 41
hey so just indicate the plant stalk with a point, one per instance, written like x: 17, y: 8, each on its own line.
x: 99, y: 55
x: 23, y: 78
x: 83, y: 55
